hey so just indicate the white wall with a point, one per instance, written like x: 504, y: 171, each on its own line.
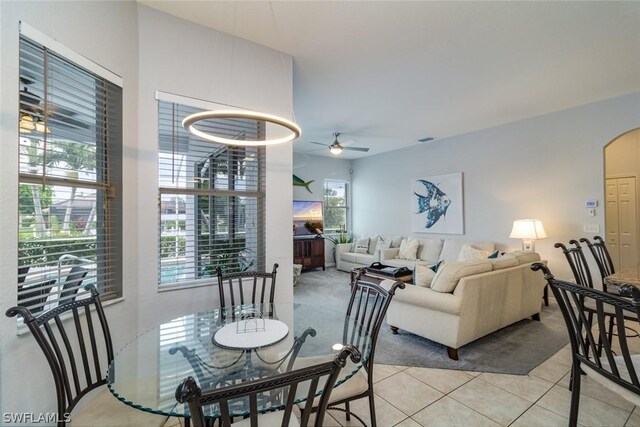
x: 150, y: 51
x: 544, y: 167
x: 318, y: 169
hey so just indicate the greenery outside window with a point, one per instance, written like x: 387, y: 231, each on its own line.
x: 70, y: 173
x: 336, y: 206
x: 211, y: 197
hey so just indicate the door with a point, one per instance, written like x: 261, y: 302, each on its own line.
x: 621, y: 222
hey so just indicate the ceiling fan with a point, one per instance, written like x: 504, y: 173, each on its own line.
x: 336, y: 147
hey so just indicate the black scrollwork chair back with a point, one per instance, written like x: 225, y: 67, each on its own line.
x: 307, y: 379
x: 578, y: 263
x: 615, y: 367
x: 602, y: 257
x: 72, y: 348
x: 247, y: 287
x: 365, y: 313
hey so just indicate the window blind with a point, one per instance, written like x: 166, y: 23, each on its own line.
x: 211, y: 198
x: 70, y: 168
x: 335, y: 206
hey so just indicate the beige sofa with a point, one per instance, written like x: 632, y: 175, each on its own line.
x: 429, y: 252
x: 478, y: 305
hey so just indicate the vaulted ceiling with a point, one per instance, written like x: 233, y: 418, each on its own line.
x: 386, y: 74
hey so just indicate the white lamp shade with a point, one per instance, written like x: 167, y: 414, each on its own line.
x: 530, y: 229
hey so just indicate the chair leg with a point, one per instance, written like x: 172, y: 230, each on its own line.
x: 545, y: 297
x: 372, y: 408
x: 348, y: 413
x: 575, y: 393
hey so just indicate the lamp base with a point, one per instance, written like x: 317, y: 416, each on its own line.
x: 529, y: 245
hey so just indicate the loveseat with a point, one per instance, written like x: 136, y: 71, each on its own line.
x: 386, y: 249
x: 466, y: 300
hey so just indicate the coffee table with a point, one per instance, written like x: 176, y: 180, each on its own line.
x: 377, y: 277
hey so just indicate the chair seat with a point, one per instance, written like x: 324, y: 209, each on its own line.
x: 354, y: 386
x: 624, y: 373
x: 269, y: 419
x: 104, y: 410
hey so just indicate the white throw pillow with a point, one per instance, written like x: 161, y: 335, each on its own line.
x: 468, y: 253
x: 395, y: 241
x: 450, y: 273
x: 423, y: 276
x: 408, y: 249
x: 362, y: 246
x: 382, y: 244
x: 373, y: 242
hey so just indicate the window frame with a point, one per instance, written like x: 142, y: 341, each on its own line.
x: 107, y: 183
x: 346, y: 207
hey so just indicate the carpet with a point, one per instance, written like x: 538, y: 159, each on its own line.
x: 515, y: 349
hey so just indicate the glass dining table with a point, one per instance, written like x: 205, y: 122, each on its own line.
x: 223, y: 347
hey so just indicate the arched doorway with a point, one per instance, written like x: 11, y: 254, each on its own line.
x: 622, y: 198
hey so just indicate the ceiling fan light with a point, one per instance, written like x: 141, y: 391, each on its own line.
x: 335, y: 149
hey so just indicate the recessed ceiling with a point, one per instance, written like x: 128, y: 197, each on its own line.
x: 386, y: 74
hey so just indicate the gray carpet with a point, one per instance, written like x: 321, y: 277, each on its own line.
x: 516, y: 349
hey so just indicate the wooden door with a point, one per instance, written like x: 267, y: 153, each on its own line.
x: 621, y: 222
x: 627, y: 223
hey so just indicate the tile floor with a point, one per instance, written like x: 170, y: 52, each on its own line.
x: 409, y: 396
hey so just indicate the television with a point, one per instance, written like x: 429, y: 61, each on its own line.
x: 310, y: 213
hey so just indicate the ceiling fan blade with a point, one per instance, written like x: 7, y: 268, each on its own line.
x: 356, y: 149
x: 318, y: 143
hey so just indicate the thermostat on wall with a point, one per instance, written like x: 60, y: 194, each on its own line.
x: 591, y: 204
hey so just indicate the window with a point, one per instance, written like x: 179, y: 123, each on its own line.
x: 336, y: 205
x: 211, y: 198
x: 69, y: 230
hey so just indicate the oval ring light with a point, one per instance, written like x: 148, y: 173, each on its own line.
x: 189, y: 124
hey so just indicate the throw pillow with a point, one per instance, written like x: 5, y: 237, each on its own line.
x: 495, y: 254
x: 447, y: 277
x: 408, y: 249
x: 373, y: 242
x: 362, y: 246
x: 382, y: 244
x: 436, y: 266
x: 395, y: 241
x: 468, y: 253
x: 423, y: 276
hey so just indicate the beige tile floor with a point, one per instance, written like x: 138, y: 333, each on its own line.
x: 414, y: 397
x: 410, y: 396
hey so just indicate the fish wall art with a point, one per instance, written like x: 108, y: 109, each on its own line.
x: 299, y: 182
x: 436, y: 204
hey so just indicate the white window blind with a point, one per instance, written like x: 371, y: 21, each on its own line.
x: 336, y: 205
x: 69, y: 231
x: 211, y: 198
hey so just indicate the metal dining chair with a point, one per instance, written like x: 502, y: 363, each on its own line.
x: 246, y: 287
x: 602, y: 257
x: 615, y: 367
x: 71, y: 336
x: 217, y: 402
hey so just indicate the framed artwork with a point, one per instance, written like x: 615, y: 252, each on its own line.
x: 437, y: 204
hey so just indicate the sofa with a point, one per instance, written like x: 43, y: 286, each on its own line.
x: 466, y: 300
x: 386, y: 249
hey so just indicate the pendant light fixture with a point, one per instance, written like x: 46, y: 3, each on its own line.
x: 292, y: 130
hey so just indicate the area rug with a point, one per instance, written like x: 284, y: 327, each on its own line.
x: 516, y: 349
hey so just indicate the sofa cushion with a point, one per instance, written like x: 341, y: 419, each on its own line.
x: 364, y: 259
x: 429, y: 249
x: 468, y: 252
x: 395, y: 241
x: 408, y: 249
x: 423, y: 276
x: 451, y: 248
x: 382, y: 244
x: 524, y: 257
x: 397, y: 262
x: 505, y: 261
x: 449, y: 274
x: 362, y: 246
x: 348, y: 256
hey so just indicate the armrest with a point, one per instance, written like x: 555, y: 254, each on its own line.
x: 427, y: 298
x: 343, y: 247
x: 388, y: 253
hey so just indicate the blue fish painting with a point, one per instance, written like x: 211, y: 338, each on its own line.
x: 435, y: 203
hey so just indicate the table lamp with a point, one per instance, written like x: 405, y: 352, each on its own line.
x: 528, y: 230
